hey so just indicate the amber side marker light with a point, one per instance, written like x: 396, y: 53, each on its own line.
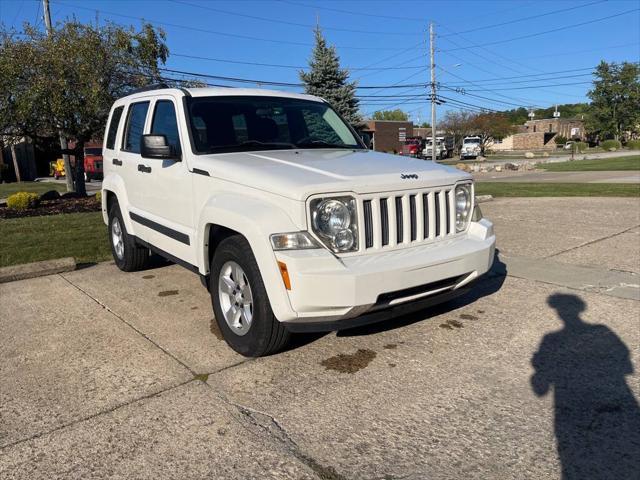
x: 285, y: 274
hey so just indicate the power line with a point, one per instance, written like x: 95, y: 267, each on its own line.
x: 517, y: 20
x: 565, y: 27
x: 294, y: 24
x: 348, y: 12
x: 293, y: 67
x: 534, y: 86
x: 192, y: 28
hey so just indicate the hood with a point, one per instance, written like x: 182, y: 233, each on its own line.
x: 298, y: 174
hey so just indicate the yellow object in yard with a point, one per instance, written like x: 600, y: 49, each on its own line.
x: 57, y: 168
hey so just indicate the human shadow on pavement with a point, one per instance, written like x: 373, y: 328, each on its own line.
x: 485, y: 286
x: 597, y: 417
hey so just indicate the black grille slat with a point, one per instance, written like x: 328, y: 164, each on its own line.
x: 447, y: 213
x: 425, y: 214
x: 437, y: 212
x: 399, y: 224
x: 368, y: 224
x: 414, y: 220
x: 384, y: 221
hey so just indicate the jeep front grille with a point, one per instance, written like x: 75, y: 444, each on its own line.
x: 405, y: 219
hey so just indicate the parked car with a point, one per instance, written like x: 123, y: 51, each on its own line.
x: 290, y: 221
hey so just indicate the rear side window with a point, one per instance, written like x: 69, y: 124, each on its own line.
x: 135, y: 126
x: 165, y: 123
x: 113, y: 127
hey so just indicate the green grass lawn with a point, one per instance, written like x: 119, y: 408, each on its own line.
x: 31, y: 239
x: 515, y: 189
x: 7, y: 189
x: 600, y: 164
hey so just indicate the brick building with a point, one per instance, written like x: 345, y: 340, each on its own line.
x: 540, y: 134
x: 388, y: 135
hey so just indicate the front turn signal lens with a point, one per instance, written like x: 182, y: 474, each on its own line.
x: 284, y: 273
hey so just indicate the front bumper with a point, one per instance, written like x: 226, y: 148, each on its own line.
x: 328, y: 289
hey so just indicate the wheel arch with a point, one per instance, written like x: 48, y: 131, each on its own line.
x: 255, y: 220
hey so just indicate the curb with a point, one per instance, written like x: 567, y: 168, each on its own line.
x: 36, y: 269
x: 483, y: 198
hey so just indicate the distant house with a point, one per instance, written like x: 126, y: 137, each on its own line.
x: 540, y: 134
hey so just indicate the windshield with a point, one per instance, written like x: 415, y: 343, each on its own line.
x: 471, y: 140
x: 237, y: 124
x: 93, y: 151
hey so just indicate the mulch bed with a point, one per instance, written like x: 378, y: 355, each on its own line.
x: 54, y: 207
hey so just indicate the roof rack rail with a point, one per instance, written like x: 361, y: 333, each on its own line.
x: 158, y: 86
x: 155, y: 86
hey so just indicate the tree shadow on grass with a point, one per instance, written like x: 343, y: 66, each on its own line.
x: 597, y: 418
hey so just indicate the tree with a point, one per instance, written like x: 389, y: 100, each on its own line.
x: 327, y: 80
x: 615, y: 99
x: 489, y: 127
x: 396, y: 114
x: 425, y: 125
x: 68, y: 81
x: 458, y: 125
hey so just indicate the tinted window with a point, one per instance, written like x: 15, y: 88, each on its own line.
x: 165, y: 123
x: 135, y: 126
x: 113, y: 127
x: 231, y: 124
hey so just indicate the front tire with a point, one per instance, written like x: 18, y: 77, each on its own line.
x: 128, y: 255
x: 240, y: 302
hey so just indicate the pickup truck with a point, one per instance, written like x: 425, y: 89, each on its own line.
x: 290, y: 221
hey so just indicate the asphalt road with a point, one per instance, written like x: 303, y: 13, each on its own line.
x: 106, y: 374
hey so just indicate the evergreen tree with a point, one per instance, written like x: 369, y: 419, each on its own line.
x: 327, y: 80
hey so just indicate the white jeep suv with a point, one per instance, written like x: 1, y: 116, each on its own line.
x: 291, y: 223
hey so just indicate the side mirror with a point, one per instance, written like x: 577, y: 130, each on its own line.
x: 156, y: 146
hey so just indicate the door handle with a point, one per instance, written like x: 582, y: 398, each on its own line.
x: 144, y: 168
x: 115, y: 161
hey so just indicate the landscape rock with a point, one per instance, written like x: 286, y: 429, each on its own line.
x: 510, y: 166
x: 50, y: 195
x: 529, y: 155
x: 498, y: 168
x: 545, y: 154
x: 462, y: 166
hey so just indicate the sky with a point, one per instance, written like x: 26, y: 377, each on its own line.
x: 493, y: 55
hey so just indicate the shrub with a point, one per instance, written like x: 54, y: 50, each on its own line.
x: 23, y: 200
x: 560, y: 140
x: 611, y: 145
x: 99, y: 197
x: 633, y: 144
x: 579, y: 147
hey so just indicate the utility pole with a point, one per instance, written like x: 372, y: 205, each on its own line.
x: 434, y: 154
x: 68, y: 173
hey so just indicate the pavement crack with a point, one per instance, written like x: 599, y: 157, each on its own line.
x: 97, y: 414
x: 591, y: 242
x: 264, y: 424
x: 131, y: 326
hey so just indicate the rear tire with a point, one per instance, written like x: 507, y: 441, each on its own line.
x: 247, y: 323
x: 128, y: 255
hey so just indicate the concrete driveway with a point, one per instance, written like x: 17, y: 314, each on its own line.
x: 106, y: 374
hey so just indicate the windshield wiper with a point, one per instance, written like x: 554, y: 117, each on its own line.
x: 323, y: 144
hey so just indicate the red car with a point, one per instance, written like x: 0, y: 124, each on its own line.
x: 92, y: 163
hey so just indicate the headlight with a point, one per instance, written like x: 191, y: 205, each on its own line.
x: 293, y: 241
x: 463, y: 206
x: 334, y: 220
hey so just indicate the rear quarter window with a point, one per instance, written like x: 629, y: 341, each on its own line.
x: 113, y: 127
